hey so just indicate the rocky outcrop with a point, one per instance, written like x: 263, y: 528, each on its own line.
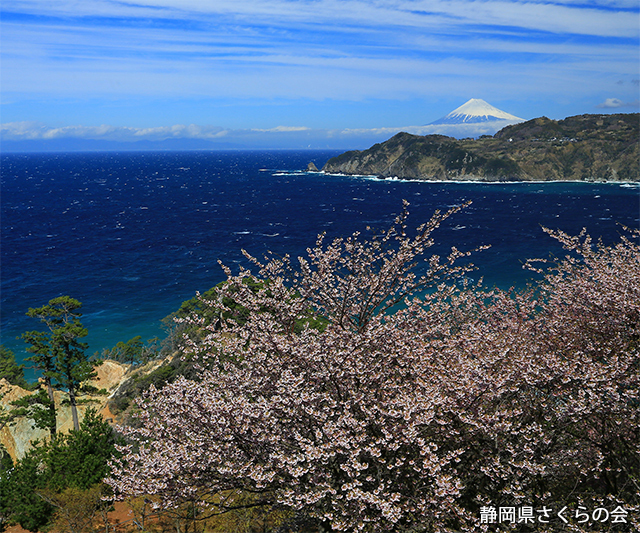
x: 581, y: 148
x: 311, y: 167
x: 17, y: 437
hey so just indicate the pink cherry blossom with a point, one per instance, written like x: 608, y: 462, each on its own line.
x: 418, y: 401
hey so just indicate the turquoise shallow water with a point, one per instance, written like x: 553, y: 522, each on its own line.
x: 133, y: 235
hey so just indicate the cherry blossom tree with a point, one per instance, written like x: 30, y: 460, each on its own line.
x: 404, y: 417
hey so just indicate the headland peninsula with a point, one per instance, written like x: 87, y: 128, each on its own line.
x: 579, y: 148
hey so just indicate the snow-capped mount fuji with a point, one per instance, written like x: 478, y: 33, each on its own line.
x: 477, y: 111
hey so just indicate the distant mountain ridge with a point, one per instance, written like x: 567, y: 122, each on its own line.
x: 579, y: 148
x: 476, y: 111
x: 98, y: 145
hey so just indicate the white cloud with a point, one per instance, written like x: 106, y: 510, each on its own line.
x: 107, y: 51
x: 614, y: 103
x: 192, y: 131
x: 21, y: 130
x: 450, y: 130
x: 611, y: 103
x: 282, y: 129
x: 35, y: 131
x: 610, y: 18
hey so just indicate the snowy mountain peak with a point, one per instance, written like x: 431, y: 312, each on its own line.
x: 474, y: 111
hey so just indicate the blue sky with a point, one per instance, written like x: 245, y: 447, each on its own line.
x: 294, y: 73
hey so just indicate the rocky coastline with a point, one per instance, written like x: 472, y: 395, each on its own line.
x: 590, y: 148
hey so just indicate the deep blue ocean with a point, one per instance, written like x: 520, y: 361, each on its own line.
x: 132, y: 235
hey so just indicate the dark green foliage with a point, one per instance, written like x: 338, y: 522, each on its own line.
x: 617, y: 126
x: 19, y: 500
x: 342, y: 158
x: 201, y: 307
x: 127, y: 352
x: 198, y: 306
x: 40, y: 347
x: 10, y: 369
x: 208, y: 308
x: 459, y: 159
x: 79, y: 459
x: 205, y: 309
x: 75, y: 460
x: 63, y: 319
x: 502, y: 168
x: 58, y: 353
x: 165, y: 373
x: 6, y: 462
x: 584, y: 147
x: 134, y: 351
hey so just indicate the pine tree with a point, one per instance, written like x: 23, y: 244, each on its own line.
x: 58, y: 474
x: 10, y: 369
x: 43, y: 411
x: 59, y: 353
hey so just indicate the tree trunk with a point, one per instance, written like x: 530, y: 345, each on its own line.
x: 74, y: 409
x: 52, y: 408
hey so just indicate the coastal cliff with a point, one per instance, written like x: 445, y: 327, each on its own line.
x: 16, y: 438
x: 580, y: 148
x: 115, y: 379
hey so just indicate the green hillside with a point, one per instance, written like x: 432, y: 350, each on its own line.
x: 580, y: 148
